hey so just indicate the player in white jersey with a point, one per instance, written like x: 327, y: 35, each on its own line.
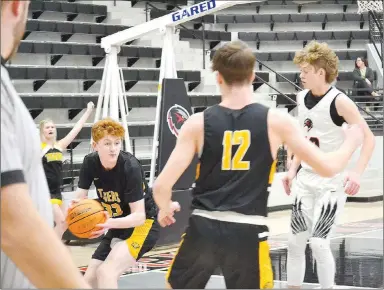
x: 318, y: 201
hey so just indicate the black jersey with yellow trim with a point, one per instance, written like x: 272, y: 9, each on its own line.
x: 52, y: 158
x: 119, y: 186
x: 236, y: 167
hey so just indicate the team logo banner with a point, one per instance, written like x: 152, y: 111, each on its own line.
x: 175, y: 110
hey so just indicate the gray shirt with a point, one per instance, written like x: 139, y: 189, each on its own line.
x: 20, y: 162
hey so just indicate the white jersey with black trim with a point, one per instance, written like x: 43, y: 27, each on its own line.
x: 318, y: 125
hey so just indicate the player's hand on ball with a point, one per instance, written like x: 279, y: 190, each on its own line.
x: 101, y: 228
x: 352, y: 183
x: 354, y: 133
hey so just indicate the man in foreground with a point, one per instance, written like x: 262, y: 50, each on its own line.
x: 31, y: 254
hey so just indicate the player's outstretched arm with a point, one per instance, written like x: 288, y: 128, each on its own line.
x: 179, y: 160
x: 55, y: 268
x: 284, y: 129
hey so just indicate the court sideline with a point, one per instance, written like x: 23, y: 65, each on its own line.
x: 358, y: 243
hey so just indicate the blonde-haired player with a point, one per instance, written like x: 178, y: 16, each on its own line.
x: 322, y: 110
x: 124, y: 193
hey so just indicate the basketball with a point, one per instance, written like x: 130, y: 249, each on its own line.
x: 84, y: 216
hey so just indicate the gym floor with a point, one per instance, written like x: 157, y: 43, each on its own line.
x: 357, y: 246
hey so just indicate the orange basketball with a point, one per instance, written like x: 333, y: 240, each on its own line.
x: 84, y: 216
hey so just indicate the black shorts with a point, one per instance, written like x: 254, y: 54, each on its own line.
x: 139, y: 240
x: 240, y: 250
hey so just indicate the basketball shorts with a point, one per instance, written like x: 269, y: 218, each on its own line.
x: 139, y: 240
x: 241, y: 251
x: 318, y: 204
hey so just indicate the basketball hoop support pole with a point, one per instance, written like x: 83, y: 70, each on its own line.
x: 111, y: 82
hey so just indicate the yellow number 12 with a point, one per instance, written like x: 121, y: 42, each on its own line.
x: 241, y: 138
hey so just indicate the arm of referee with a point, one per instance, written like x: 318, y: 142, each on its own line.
x: 26, y: 238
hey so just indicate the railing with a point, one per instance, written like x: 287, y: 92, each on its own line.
x: 376, y: 33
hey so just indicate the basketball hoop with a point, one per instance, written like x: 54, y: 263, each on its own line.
x: 372, y: 5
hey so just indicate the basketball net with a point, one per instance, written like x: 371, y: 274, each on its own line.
x: 372, y: 5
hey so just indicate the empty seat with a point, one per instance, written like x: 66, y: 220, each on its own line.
x: 74, y: 73
x: 61, y: 48
x: 280, y: 56
x: 323, y: 35
x: 280, y: 18
x: 84, y: 28
x: 58, y: 73
x: 335, y: 17
x: 68, y: 7
x: 247, y: 36
x: 361, y: 34
x: 292, y: 76
x: 36, y: 73
x: 298, y: 17
x: 51, y: 6
x: 263, y: 56
x: 36, y: 6
x: 93, y: 74
x: 99, y: 29
x: 304, y: 35
x: 85, y: 8
x: 65, y: 27
x: 286, y: 35
x: 25, y: 47
x: 353, y: 16
x: 317, y: 17
x: 354, y: 54
x: 244, y: 19
x: 42, y: 47
x: 345, y: 76
x: 79, y: 49
x: 225, y: 19
x: 267, y: 36
x: 342, y: 34
x: 97, y: 50
x: 32, y: 25
x: 261, y: 18
x: 342, y: 54
x: 47, y: 26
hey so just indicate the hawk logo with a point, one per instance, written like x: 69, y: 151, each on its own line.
x: 135, y: 245
x: 308, y: 124
x: 176, y: 116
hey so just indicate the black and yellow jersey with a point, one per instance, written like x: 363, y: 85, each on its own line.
x: 119, y: 186
x: 53, y: 165
x: 236, y: 166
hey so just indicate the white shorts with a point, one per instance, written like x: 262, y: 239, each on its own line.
x: 318, y: 203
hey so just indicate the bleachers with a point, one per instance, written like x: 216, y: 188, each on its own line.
x: 59, y: 65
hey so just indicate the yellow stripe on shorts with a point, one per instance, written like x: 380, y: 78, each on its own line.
x: 265, y: 266
x: 136, y: 240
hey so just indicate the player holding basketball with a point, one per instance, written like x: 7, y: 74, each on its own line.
x: 123, y: 191
x: 319, y: 200
x: 52, y: 157
x: 237, y: 143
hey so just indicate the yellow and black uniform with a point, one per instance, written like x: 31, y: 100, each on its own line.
x: 227, y: 228
x: 116, y: 188
x: 53, y: 166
